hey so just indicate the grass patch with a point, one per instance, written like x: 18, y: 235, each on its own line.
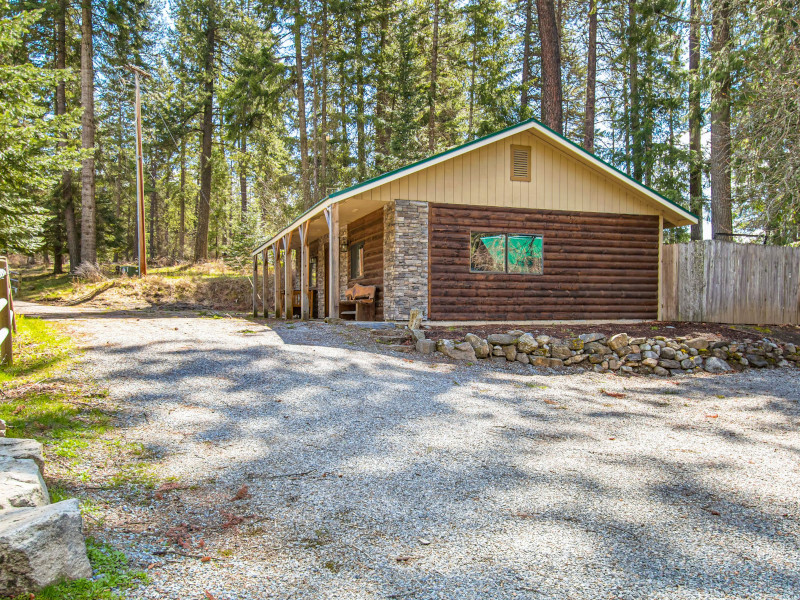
x: 112, y: 575
x: 39, y: 349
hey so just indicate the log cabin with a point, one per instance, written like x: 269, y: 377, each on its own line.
x: 521, y: 225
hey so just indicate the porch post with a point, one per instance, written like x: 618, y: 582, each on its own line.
x: 287, y: 282
x: 304, y: 271
x: 264, y: 286
x: 255, y: 285
x: 276, y: 272
x: 332, y: 217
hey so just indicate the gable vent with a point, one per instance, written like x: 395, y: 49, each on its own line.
x: 520, y: 163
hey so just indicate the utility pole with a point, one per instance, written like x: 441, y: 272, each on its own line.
x: 139, y: 173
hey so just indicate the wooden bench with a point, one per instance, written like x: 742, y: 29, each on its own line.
x: 360, y: 303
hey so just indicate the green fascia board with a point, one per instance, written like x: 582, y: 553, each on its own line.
x: 477, y: 141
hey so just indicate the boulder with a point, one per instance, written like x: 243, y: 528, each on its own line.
x: 650, y: 354
x: 669, y: 364
x: 414, y: 319
x: 687, y: 363
x: 650, y: 362
x: 22, y: 448
x: 575, y: 344
x: 481, y: 346
x: 591, y: 337
x: 633, y: 356
x: 668, y: 353
x: 426, y: 346
x: 527, y: 343
x: 618, y: 341
x: 515, y: 332
x: 716, y: 365
x: 637, y: 341
x: 681, y: 355
x: 698, y: 343
x: 596, y: 348
x: 501, y: 339
x: 757, y: 361
x: 417, y: 334
x: 542, y: 361
x: 560, y: 351
x: 41, y: 546
x: 498, y: 351
x: 523, y: 358
x: 574, y: 360
x: 462, y: 351
x: 661, y: 372
x: 510, y: 352
x: 543, y: 339
x: 21, y: 485
x: 623, y: 352
x: 2, y: 428
x: 596, y: 359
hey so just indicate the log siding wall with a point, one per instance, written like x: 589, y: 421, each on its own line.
x: 596, y: 266
x: 368, y: 229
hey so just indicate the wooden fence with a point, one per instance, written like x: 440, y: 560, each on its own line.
x: 724, y: 282
x: 8, y: 322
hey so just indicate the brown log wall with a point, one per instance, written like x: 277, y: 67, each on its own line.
x: 596, y: 266
x: 368, y: 229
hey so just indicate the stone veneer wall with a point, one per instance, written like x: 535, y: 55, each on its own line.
x: 322, y: 267
x: 405, y: 258
x: 344, y: 262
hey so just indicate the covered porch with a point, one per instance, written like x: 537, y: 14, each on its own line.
x: 304, y: 270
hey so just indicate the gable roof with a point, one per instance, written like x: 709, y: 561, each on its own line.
x: 680, y: 214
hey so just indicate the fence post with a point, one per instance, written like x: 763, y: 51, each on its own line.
x: 6, y: 315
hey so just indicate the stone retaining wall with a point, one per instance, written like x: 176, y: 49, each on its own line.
x: 620, y: 353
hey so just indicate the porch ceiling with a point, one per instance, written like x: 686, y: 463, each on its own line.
x: 349, y: 210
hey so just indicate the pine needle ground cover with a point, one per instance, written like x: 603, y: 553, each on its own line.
x: 46, y: 396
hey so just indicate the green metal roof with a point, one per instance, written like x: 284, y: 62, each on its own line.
x: 435, y: 157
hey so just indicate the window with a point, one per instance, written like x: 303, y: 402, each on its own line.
x: 506, y: 253
x: 312, y: 272
x: 357, y: 260
x: 520, y: 163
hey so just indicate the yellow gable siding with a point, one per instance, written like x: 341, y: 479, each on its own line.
x: 482, y: 178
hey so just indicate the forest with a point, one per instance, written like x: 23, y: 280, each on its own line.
x: 256, y: 110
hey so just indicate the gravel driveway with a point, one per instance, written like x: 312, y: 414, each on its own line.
x: 388, y: 476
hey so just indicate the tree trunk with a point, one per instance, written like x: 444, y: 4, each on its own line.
x: 243, y: 176
x: 721, y: 217
x: 695, y: 115
x: 323, y: 167
x: 552, y: 115
x: 88, y: 217
x: 382, y: 95
x: 472, y: 68
x: 182, y: 224
x: 204, y: 200
x: 361, y: 141
x: 301, y: 106
x: 73, y: 245
x: 434, y: 78
x: 153, y: 210
x: 591, y: 79
x: 633, y: 81
x: 526, y: 55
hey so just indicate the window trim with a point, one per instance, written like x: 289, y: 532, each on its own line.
x: 357, y: 247
x: 505, y: 256
x: 529, y: 151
